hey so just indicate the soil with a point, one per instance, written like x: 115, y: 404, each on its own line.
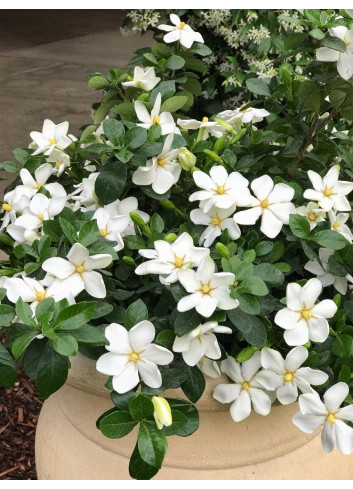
x: 19, y: 411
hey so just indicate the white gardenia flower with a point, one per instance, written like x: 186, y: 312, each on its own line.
x: 180, y: 32
x: 208, y: 290
x: 144, y: 78
x: 313, y: 266
x: 131, y: 355
x: 32, y: 291
x: 338, y: 223
x: 165, y: 119
x: 52, y: 136
x: 40, y: 209
x: 302, y: 319
x: 273, y: 203
x: 200, y: 342
x: 209, y: 127
x: 344, y: 60
x: 15, y: 202
x: 111, y: 227
x: 78, y: 270
x: 123, y: 208
x: 329, y: 191
x: 216, y: 220
x: 313, y: 213
x: 286, y: 376
x: 162, y: 171
x: 209, y: 368
x: 315, y: 413
x: 220, y: 189
x: 246, y: 392
x: 168, y: 259
x: 85, y: 195
x: 61, y: 161
x: 244, y: 116
x: 41, y: 176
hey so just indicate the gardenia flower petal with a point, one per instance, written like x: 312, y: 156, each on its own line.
x: 127, y: 379
x: 241, y: 408
x: 118, y: 338
x: 141, y: 335
x: 94, y: 284
x: 150, y: 374
x: 335, y: 395
x: 225, y: 393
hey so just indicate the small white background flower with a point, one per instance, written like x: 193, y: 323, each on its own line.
x: 302, y: 319
x: 244, y: 116
x: 209, y: 127
x: 200, y: 342
x: 133, y: 355
x: 207, y: 289
x: 285, y: 376
x: 180, y: 32
x: 246, y: 392
x: 144, y: 78
x: 111, y: 227
x: 313, y: 213
x: 123, y: 208
x: 272, y: 203
x: 315, y: 413
x: 61, y: 161
x: 338, y: 223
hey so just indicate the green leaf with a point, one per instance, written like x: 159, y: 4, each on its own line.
x: 111, y: 181
x: 173, y: 104
x: 89, y: 233
x: 31, y: 267
x: 151, y: 59
x: 68, y: 229
x: 345, y: 374
x: 21, y: 155
x: 24, y: 312
x: 254, y: 286
x: 89, y: 335
x: 134, y: 242
x: 65, y: 344
x: 8, y: 371
x: 135, y: 137
x: 98, y: 82
x: 190, y: 412
x: 74, y: 316
x: 251, y: 327
x: 7, y: 313
x: 52, y: 229
x: 193, y: 86
x: 185, y: 322
x: 52, y: 371
x: 277, y: 251
x: 45, y: 310
x: 175, y: 62
x: 269, y: 274
x: 102, y: 309
x: 117, y: 424
x: 139, y: 469
x: 258, y: 86
x: 156, y: 223
x: 195, y: 65
x: 194, y: 385
x: 179, y: 421
x: 141, y: 407
x: 166, y: 338
x: 294, y: 40
x: 114, y: 131
x: 135, y: 313
x: 263, y: 248
x: 299, y: 226
x: 121, y: 401
x: 343, y: 346
x: 10, y: 167
x: 310, y: 96
x: 161, y: 50
x: 317, y: 33
x: 152, y: 445
x: 247, y: 303
x: 333, y: 42
x: 246, y: 353
x: 21, y: 343
x: 330, y: 239
x: 335, y: 268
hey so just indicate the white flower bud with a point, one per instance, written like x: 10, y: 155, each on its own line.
x: 162, y: 412
x: 186, y: 159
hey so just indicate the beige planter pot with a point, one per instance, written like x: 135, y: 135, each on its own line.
x: 69, y: 446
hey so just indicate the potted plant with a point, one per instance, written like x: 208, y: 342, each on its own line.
x: 195, y: 261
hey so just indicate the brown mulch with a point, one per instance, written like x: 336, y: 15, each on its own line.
x: 19, y: 411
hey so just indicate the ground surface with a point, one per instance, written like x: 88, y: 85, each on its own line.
x: 45, y: 57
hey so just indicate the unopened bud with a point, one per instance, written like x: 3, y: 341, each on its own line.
x: 144, y: 96
x: 239, y: 135
x: 212, y: 155
x: 337, y: 299
x: 307, y: 345
x: 287, y: 79
x: 229, y: 128
x: 186, y: 159
x: 246, y: 353
x: 167, y: 204
x: 338, y: 168
x: 137, y: 219
x: 219, y: 144
x: 162, y: 412
x: 171, y: 237
x: 129, y: 261
x: 222, y: 250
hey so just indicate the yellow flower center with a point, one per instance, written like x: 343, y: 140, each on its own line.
x: 52, y: 141
x: 327, y: 192
x: 6, y: 207
x: 264, y: 204
x: 220, y: 190
x: 179, y: 261
x: 41, y: 217
x: 104, y: 232
x: 306, y: 314
x: 156, y: 120
x: 245, y: 111
x: 40, y: 296
x: 205, y: 289
x: 312, y: 216
x: 162, y: 162
x: 288, y: 377
x: 331, y: 418
x: 38, y: 186
x: 58, y: 164
x: 245, y: 385
x: 336, y: 224
x: 216, y: 222
x: 346, y: 42
x: 205, y: 119
x: 134, y: 357
x: 182, y: 25
x: 138, y: 84
x: 79, y: 269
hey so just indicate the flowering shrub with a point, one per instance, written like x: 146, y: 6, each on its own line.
x: 214, y: 245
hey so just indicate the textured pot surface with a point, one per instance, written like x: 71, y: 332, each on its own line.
x: 69, y: 446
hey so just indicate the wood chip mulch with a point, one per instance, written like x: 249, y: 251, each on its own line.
x: 19, y: 411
